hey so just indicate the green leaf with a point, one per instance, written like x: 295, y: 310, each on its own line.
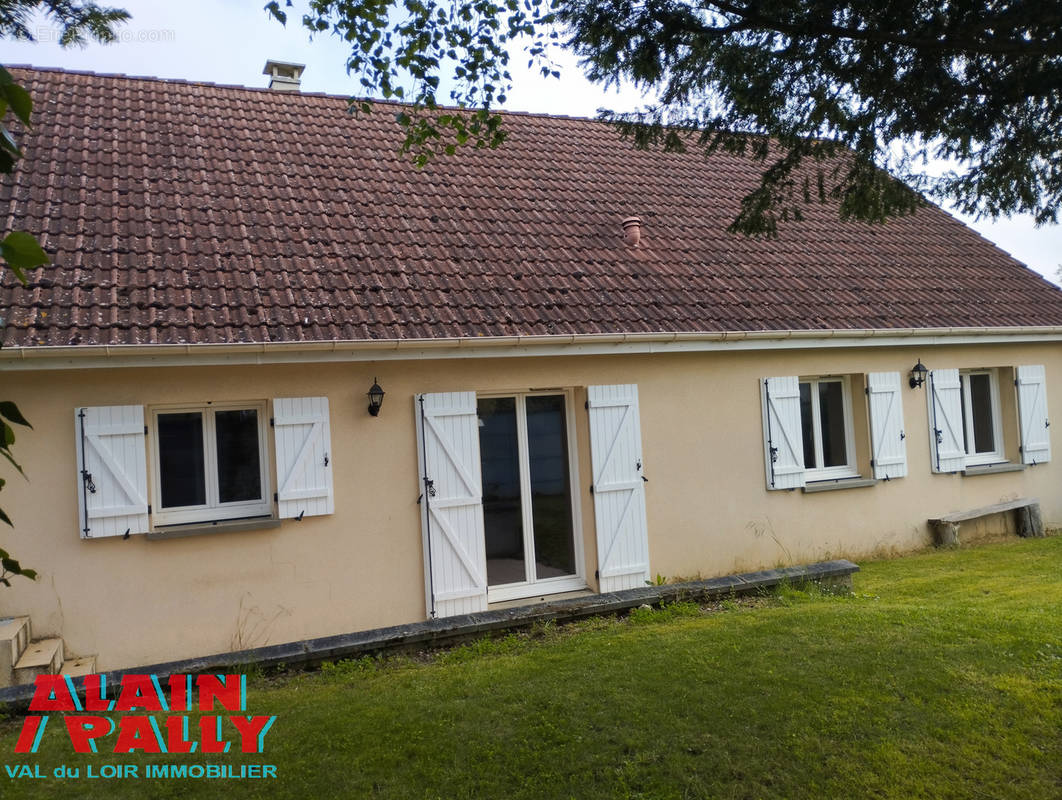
x: 11, y: 412
x: 8, y: 143
x: 7, y: 433
x: 19, y: 100
x: 29, y: 573
x: 21, y: 251
x: 5, y: 518
x: 15, y: 464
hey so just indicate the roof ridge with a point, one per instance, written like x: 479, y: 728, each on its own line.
x: 260, y: 89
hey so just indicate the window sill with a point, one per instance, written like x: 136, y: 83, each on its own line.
x: 991, y: 469
x: 838, y: 483
x: 221, y: 526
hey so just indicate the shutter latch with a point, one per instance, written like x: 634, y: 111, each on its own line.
x: 86, y: 476
x: 939, y: 434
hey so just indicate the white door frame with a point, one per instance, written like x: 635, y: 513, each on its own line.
x: 565, y: 583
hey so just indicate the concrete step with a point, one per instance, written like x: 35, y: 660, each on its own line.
x: 14, y: 639
x: 78, y: 666
x: 44, y: 657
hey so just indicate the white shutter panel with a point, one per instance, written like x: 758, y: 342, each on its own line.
x: 884, y: 391
x: 452, y: 503
x: 303, y: 445
x: 111, y: 470
x: 783, y: 439
x: 1032, y: 409
x: 946, y: 434
x: 619, y: 491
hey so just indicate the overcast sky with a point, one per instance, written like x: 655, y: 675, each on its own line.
x: 229, y: 41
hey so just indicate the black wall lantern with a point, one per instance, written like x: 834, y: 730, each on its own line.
x: 918, y: 374
x: 375, y: 398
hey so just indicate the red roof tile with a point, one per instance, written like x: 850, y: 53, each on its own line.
x: 184, y: 213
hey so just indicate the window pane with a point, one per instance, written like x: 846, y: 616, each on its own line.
x: 502, y: 514
x: 981, y: 407
x: 831, y: 406
x: 181, y: 466
x: 807, y: 427
x: 551, y: 506
x: 239, y: 470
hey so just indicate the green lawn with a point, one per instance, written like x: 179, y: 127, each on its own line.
x: 941, y: 677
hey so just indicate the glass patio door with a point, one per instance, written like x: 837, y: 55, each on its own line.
x: 528, y: 512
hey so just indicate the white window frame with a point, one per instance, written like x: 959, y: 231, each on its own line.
x: 849, y: 469
x: 562, y: 583
x: 995, y: 456
x: 213, y: 510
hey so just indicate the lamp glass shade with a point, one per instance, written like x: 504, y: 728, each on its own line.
x: 376, y: 396
x: 918, y: 374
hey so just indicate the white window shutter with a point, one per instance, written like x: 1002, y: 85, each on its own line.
x: 946, y: 432
x: 111, y: 470
x: 1032, y: 410
x: 783, y: 440
x: 451, y: 503
x: 303, y: 446
x: 619, y: 491
x: 884, y: 390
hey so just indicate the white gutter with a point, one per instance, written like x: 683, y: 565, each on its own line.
x: 110, y: 356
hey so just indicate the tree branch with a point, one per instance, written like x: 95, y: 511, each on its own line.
x: 971, y: 46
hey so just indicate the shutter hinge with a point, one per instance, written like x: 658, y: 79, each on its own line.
x: 145, y: 430
x: 149, y: 508
x: 586, y: 405
x: 591, y: 488
x: 276, y: 499
x: 866, y: 391
x: 272, y: 422
x: 597, y: 574
x: 871, y: 462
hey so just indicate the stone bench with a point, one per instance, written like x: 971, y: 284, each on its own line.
x: 1027, y: 518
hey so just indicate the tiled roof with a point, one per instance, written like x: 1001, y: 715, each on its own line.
x: 185, y: 213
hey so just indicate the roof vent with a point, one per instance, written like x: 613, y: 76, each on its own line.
x: 632, y: 231
x: 283, y: 76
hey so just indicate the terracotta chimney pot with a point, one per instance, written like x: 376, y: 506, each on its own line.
x: 632, y: 231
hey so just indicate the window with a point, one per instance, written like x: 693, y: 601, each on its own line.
x: 973, y: 422
x: 826, y: 428
x: 209, y: 463
x: 981, y: 429
x: 814, y: 429
x: 529, y: 524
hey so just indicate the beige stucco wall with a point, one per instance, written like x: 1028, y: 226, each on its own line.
x: 136, y: 602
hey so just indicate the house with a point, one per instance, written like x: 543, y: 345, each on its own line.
x: 587, y: 381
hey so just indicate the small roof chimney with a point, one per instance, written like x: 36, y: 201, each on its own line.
x: 632, y: 231
x: 284, y: 76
